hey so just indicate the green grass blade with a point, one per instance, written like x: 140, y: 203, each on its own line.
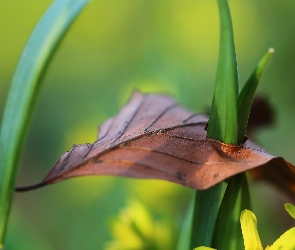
x: 223, y: 124
x: 185, y: 234
x: 228, y: 234
x: 247, y: 94
x: 207, y: 204
x: 290, y: 208
x: 199, y: 222
x: 204, y: 248
x: 23, y: 92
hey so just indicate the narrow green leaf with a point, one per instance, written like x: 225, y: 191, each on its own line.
x: 204, y: 248
x: 290, y: 209
x: 23, y: 93
x: 207, y: 205
x: 185, y: 234
x: 247, y: 94
x: 223, y: 124
x: 227, y: 234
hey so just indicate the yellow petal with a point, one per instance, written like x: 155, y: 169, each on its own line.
x: 285, y: 242
x: 249, y: 230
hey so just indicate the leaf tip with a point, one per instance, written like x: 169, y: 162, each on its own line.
x: 290, y: 209
x: 271, y: 51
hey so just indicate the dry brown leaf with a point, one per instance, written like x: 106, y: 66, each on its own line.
x: 155, y: 137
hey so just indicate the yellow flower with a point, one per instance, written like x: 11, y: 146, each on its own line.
x: 136, y: 228
x: 249, y: 230
x: 251, y: 236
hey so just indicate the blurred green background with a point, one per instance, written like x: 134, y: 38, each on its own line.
x: 114, y: 47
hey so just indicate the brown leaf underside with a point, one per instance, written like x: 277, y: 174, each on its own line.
x: 155, y: 137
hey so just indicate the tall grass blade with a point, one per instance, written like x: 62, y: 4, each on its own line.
x: 246, y: 96
x: 223, y: 124
x: 206, y: 207
x: 185, y: 234
x: 23, y: 93
x: 228, y: 234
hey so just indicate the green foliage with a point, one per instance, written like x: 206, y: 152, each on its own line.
x: 247, y: 95
x: 206, y: 209
x: 204, y: 248
x: 236, y: 199
x: 117, y: 46
x: 199, y: 223
x: 24, y: 89
x: 230, y: 110
x: 227, y: 123
x: 222, y: 126
x: 185, y: 236
x: 290, y: 208
x: 223, y: 123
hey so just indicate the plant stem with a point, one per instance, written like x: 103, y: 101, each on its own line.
x: 222, y: 126
x: 228, y: 234
x: 223, y: 123
x: 23, y: 92
x: 206, y: 208
x: 246, y: 96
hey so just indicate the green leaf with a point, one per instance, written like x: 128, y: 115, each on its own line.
x: 290, y: 209
x: 204, y: 248
x: 223, y: 123
x: 206, y: 208
x: 23, y: 92
x: 227, y: 233
x: 247, y: 94
x: 185, y: 234
x: 222, y: 126
x: 199, y: 222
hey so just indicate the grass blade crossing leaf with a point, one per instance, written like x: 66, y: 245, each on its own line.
x: 222, y: 123
x: 23, y: 92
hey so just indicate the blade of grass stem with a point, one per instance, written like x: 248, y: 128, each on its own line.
x: 185, y: 234
x: 23, y: 93
x: 290, y: 208
x: 246, y: 96
x: 222, y: 126
x: 223, y: 123
x: 206, y: 207
x: 228, y: 234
